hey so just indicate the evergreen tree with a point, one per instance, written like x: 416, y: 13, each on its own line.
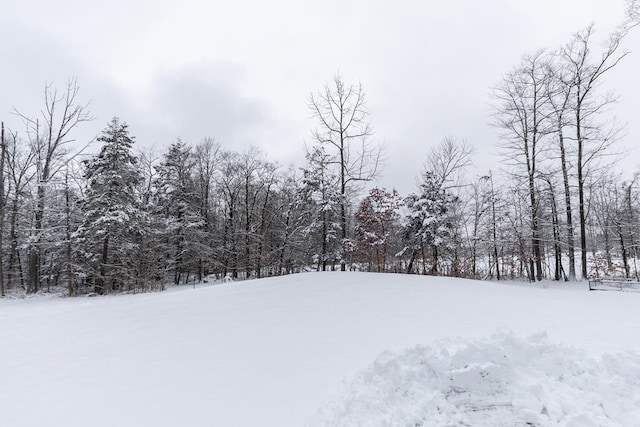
x: 323, y: 209
x: 112, y: 221
x: 177, y: 203
x: 429, y: 222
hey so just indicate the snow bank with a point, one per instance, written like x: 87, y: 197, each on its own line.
x: 500, y: 381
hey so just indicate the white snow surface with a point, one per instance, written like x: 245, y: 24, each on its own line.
x: 502, y: 381
x: 325, y: 349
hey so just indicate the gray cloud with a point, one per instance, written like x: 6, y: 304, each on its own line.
x: 206, y: 100
x: 29, y: 59
x: 191, y: 103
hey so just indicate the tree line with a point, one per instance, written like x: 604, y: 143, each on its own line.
x: 127, y: 219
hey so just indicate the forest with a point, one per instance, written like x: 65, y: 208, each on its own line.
x: 128, y: 219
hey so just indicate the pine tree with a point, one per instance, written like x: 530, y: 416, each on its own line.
x: 177, y: 203
x: 429, y: 221
x: 112, y: 222
x: 323, y: 209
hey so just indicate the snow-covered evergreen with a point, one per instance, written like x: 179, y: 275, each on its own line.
x: 176, y: 202
x: 113, y: 222
x: 429, y: 222
x: 322, y: 204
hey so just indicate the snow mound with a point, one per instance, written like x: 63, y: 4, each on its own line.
x: 500, y: 381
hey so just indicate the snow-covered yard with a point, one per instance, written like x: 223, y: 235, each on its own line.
x: 272, y: 352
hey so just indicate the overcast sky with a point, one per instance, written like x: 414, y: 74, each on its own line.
x: 241, y: 71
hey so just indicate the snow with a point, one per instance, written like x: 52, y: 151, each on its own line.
x: 503, y: 380
x: 276, y: 352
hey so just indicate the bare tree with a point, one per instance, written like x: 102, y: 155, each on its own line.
x: 344, y: 126
x: 560, y: 96
x: 3, y: 150
x: 290, y: 223
x: 20, y: 173
x: 207, y: 156
x: 229, y: 186
x: 582, y: 75
x: 447, y: 160
x: 522, y: 113
x: 485, y: 202
x: 548, y: 199
x: 49, y: 136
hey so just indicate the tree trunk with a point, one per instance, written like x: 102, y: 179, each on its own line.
x: 247, y: 228
x: 70, y: 284
x: 100, y: 287
x: 434, y: 266
x: 285, y: 242
x: 14, y: 256
x: 263, y: 226
x: 581, y: 209
x: 557, y: 250
x: 494, y: 229
x: 2, y: 206
x: 623, y: 249
x: 35, y: 249
x: 414, y: 253
x: 568, y: 210
x: 343, y: 202
x: 536, y: 260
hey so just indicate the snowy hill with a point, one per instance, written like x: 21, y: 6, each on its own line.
x: 272, y: 352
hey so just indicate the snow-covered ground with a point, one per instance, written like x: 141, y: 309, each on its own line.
x: 325, y: 349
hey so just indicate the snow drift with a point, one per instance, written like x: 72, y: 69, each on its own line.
x: 501, y: 381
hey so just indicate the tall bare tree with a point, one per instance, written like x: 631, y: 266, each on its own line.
x: 522, y: 113
x: 3, y: 151
x: 20, y: 173
x: 582, y: 74
x: 207, y: 156
x: 560, y: 96
x: 49, y: 136
x: 488, y: 196
x: 344, y: 126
